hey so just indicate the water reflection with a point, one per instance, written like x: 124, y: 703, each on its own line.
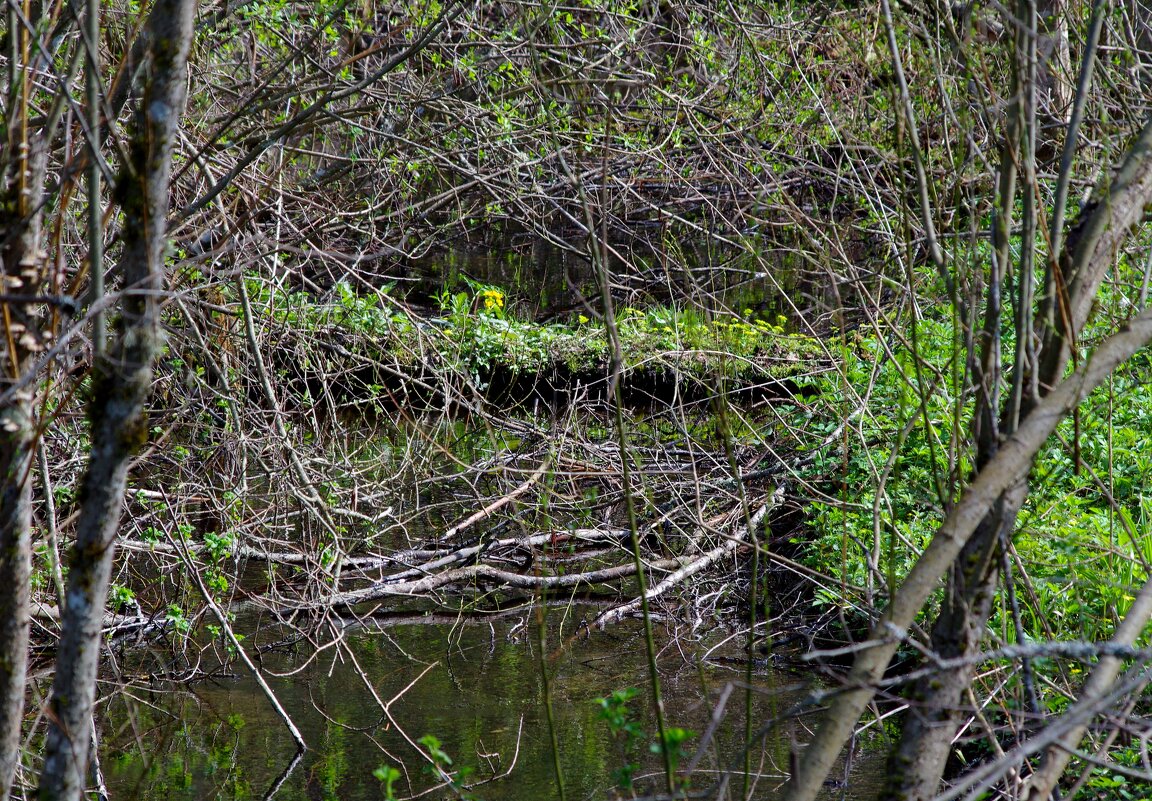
x: 364, y: 700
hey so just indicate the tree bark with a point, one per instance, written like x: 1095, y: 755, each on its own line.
x: 935, y: 703
x: 22, y: 169
x: 120, y: 387
x: 1009, y: 467
x: 934, y: 713
x: 15, y: 570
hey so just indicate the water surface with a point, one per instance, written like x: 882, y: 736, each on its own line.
x: 477, y: 688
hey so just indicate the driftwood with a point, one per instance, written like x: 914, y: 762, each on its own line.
x: 420, y: 572
x: 481, y: 573
x: 415, y: 558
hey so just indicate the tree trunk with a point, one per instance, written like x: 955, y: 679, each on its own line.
x: 121, y: 385
x: 935, y: 713
x: 15, y: 569
x: 999, y: 488
x: 1008, y: 468
x: 22, y: 166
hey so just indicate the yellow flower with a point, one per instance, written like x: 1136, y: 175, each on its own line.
x: 582, y: 319
x: 493, y: 299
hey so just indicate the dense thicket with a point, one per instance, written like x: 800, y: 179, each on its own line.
x: 811, y: 291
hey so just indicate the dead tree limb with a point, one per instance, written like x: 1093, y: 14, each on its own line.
x: 687, y: 571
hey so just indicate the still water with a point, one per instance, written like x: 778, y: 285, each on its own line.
x: 477, y: 688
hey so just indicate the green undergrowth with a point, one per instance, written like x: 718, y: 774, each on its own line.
x: 1084, y: 538
x: 476, y: 332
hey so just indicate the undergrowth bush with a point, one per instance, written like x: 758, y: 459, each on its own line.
x: 477, y: 331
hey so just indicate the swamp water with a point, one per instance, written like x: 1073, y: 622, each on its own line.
x: 476, y: 688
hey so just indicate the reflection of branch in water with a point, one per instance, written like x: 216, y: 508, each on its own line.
x: 511, y: 766
x: 278, y: 782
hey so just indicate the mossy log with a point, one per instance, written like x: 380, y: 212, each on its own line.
x: 361, y: 351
